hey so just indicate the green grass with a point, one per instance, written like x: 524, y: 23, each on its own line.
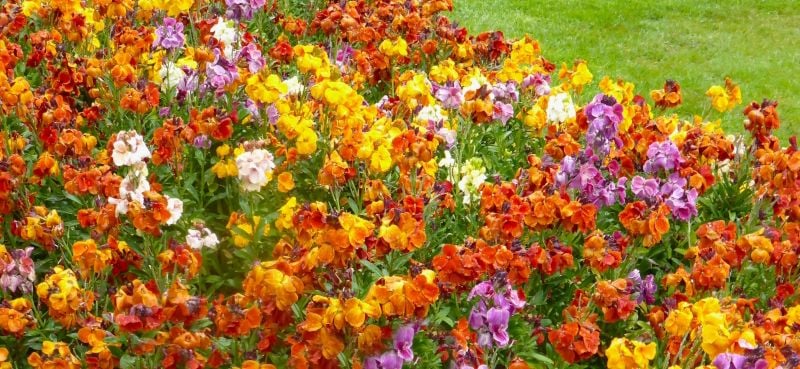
x: 697, y: 43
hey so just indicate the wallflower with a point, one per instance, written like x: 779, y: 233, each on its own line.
x: 63, y: 296
x: 662, y: 156
x: 221, y: 72
x: 293, y: 86
x: 577, y: 77
x: 171, y: 76
x: 242, y: 9
x: 175, y: 208
x: 725, y: 99
x: 265, y: 89
x: 255, y: 169
x: 628, y: 354
x: 242, y: 230
x: 175, y: 8
x: 129, y: 149
x: 169, y: 35
x: 17, y: 272
x: 200, y: 237
x: 392, y: 48
x: 473, y: 174
x: 668, y: 97
x: 679, y: 320
x: 560, y: 108
x: 54, y: 355
x: 273, y: 282
x: 16, y: 317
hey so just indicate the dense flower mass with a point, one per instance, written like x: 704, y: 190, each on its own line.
x: 365, y: 184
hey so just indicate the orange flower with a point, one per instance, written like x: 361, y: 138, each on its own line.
x: 54, y: 355
x: 16, y: 317
x: 668, y: 97
x: 89, y: 258
x: 273, y: 282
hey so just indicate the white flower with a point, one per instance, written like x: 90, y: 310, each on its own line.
x: 201, y: 237
x: 135, y: 184
x: 225, y: 32
x: 294, y: 87
x: 171, y: 75
x: 560, y: 108
x: 431, y: 114
x: 255, y: 169
x: 447, y: 161
x: 473, y: 174
x: 175, y: 208
x: 121, y: 205
x: 129, y: 149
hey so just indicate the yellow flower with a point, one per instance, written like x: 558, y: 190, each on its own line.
x: 176, y: 7
x: 223, y: 151
x: 577, y: 77
x: 619, y: 89
x: 381, y: 160
x: 525, y: 51
x: 398, y: 47
x: 716, y: 338
x: 307, y: 141
x: 444, y: 72
x: 31, y: 6
x: 626, y: 354
x: 793, y: 316
x: 225, y: 168
x: 286, y: 213
x: 725, y: 98
x: 679, y: 320
x: 312, y: 59
x: 267, y: 90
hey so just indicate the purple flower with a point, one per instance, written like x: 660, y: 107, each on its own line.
x: 649, y: 289
x: 344, y: 55
x: 644, y: 289
x: 662, y: 156
x: 497, y: 319
x: 221, y: 72
x: 242, y: 9
x: 273, y: 114
x: 164, y: 112
x: 403, y: 339
x: 505, y: 91
x: 683, y: 204
x: 604, y: 115
x: 728, y: 360
x: 645, y: 189
x: 503, y: 112
x: 540, y: 83
x: 449, y: 95
x: 169, y: 35
x: 388, y: 360
x: 18, y: 274
x: 201, y: 142
x: 477, y: 315
x: 483, y: 289
x: 252, y: 55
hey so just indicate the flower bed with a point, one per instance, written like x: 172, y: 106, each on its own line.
x: 363, y: 184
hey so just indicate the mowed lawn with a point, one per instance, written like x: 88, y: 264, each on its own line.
x: 697, y: 43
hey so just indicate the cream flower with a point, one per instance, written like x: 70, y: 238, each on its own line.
x: 129, y: 149
x: 255, y: 169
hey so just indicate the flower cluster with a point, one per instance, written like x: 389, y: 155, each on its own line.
x: 365, y: 184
